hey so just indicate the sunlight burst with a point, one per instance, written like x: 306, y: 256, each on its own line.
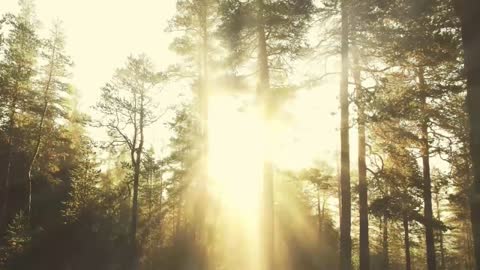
x: 235, y: 153
x: 235, y: 169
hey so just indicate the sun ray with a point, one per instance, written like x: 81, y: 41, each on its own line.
x: 235, y: 170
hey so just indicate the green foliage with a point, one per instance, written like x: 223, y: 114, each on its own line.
x: 127, y: 101
x: 183, y: 159
x: 84, y: 193
x: 17, y: 240
x: 17, y: 66
x: 286, y: 26
x: 309, y: 237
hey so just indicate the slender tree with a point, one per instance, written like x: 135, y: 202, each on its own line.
x: 52, y: 86
x: 406, y: 242
x: 427, y: 182
x: 345, y: 215
x: 362, y: 166
x: 127, y: 109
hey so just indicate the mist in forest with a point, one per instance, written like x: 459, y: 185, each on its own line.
x: 239, y: 135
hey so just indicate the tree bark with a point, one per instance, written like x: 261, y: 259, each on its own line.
x: 345, y: 215
x: 263, y: 94
x: 469, y: 11
x: 427, y: 182
x: 362, y: 166
x: 406, y: 241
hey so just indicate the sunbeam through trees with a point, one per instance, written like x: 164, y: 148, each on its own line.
x: 239, y: 134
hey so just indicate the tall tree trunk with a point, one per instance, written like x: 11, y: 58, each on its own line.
x: 362, y: 166
x: 385, y: 248
x: 469, y: 11
x: 200, y: 231
x: 427, y: 182
x: 345, y: 215
x: 39, y: 138
x: 263, y: 93
x: 406, y: 241
x: 136, y: 153
x: 134, y: 220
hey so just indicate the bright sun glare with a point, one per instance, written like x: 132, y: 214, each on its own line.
x: 235, y: 170
x: 235, y: 153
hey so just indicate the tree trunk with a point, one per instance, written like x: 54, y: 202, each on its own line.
x: 362, y: 167
x: 204, y: 113
x: 386, y: 258
x: 406, y: 240
x: 320, y: 214
x: 200, y: 230
x: 39, y: 132
x: 467, y: 225
x: 440, y: 232
x: 160, y: 209
x: 469, y: 11
x: 263, y: 93
x: 136, y: 154
x: 134, y: 221
x: 345, y: 215
x: 427, y: 182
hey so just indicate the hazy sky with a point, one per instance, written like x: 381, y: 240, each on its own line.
x: 102, y: 33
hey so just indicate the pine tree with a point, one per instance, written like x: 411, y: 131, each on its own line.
x: 127, y: 109
x: 420, y: 69
x: 16, y: 81
x: 197, y: 20
x: 345, y: 215
x: 52, y: 86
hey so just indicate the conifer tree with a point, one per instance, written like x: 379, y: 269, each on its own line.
x: 17, y: 69
x: 127, y: 109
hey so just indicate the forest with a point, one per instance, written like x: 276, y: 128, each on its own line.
x: 264, y: 135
